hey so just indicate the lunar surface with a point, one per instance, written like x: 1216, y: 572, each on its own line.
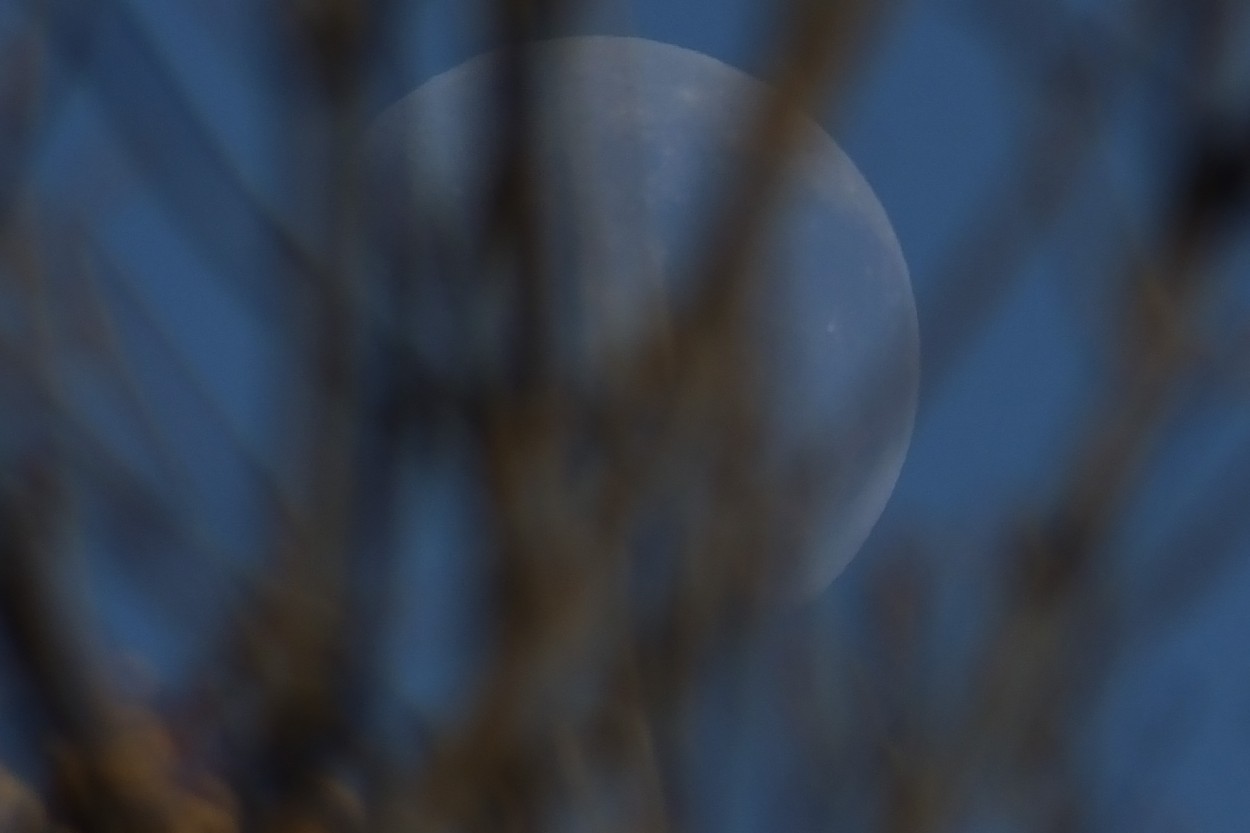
x: 634, y: 143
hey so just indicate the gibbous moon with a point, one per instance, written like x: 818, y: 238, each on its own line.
x: 635, y: 143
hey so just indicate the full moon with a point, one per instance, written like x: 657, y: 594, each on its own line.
x: 634, y: 144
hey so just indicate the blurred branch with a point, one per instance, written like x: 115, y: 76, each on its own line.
x: 588, y: 698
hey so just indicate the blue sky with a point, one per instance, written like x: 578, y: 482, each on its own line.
x: 934, y: 125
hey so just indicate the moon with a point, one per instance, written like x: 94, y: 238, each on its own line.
x: 635, y: 143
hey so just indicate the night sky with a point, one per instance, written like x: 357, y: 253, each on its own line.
x: 937, y: 120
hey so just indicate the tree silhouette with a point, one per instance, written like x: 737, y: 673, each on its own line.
x: 275, y: 559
